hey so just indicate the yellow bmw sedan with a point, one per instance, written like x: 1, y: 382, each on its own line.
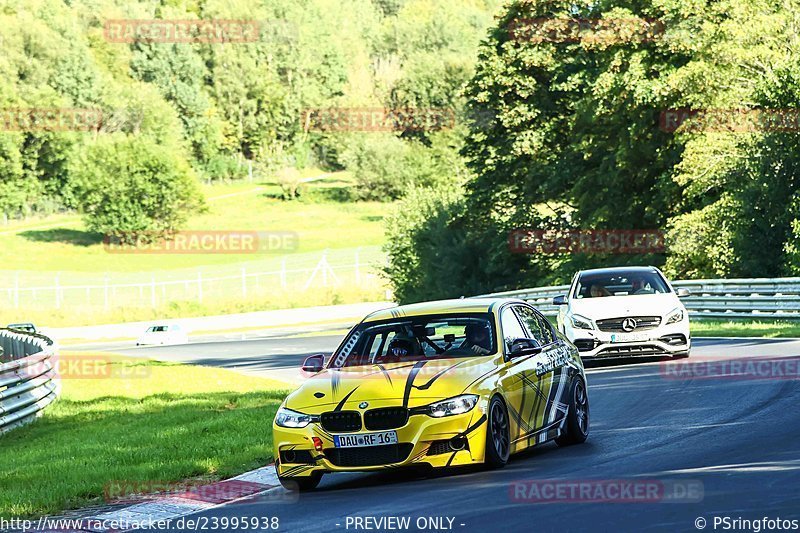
x: 445, y: 383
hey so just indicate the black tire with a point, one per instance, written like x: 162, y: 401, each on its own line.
x: 498, y: 440
x: 577, y: 427
x: 301, y: 484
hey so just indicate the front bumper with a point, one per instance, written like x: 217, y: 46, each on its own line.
x: 422, y: 440
x: 666, y: 340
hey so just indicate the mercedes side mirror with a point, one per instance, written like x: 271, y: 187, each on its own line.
x: 560, y: 300
x: 681, y: 293
x: 314, y: 364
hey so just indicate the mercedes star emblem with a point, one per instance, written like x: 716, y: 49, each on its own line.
x: 629, y: 324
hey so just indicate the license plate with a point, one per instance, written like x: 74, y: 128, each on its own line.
x: 365, y: 439
x: 630, y: 337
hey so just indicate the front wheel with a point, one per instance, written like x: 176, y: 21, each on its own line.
x: 576, y: 428
x: 301, y: 484
x: 498, y: 441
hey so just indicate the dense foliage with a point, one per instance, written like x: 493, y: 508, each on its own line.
x: 223, y: 110
x: 569, y: 133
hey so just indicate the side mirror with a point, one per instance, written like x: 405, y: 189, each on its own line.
x: 524, y: 347
x: 314, y: 364
x: 560, y: 300
x: 681, y: 293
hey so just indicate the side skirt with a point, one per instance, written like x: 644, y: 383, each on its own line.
x: 549, y: 432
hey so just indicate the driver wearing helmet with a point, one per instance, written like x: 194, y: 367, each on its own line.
x: 399, y: 349
x: 477, y: 338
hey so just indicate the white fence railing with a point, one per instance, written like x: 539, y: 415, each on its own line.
x: 254, y: 279
x: 710, y: 298
x: 28, y: 378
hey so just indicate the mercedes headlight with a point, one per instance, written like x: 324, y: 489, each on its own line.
x: 286, y: 418
x: 676, y: 315
x: 453, y: 406
x: 581, y: 322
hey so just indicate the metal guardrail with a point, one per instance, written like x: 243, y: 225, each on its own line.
x: 710, y: 298
x: 28, y: 378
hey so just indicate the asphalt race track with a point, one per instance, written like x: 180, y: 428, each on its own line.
x: 737, y: 439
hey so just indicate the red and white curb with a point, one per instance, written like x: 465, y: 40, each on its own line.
x: 197, y: 499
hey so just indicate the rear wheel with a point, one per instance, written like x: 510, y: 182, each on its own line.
x: 576, y: 428
x: 498, y: 442
x: 301, y: 483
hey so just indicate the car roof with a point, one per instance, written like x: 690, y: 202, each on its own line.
x: 620, y: 270
x: 461, y: 305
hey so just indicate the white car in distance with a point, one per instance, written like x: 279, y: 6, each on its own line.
x: 624, y: 312
x: 160, y: 334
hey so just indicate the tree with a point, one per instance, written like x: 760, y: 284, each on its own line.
x: 129, y: 186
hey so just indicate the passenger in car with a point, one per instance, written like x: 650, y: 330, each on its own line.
x: 598, y: 291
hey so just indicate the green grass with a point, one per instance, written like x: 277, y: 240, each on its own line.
x: 137, y: 427
x: 77, y: 315
x: 66, y: 255
x: 61, y: 243
x: 745, y: 328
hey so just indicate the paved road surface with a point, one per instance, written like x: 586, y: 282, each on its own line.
x: 740, y: 439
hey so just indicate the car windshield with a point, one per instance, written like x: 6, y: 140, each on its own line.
x: 417, y: 339
x: 157, y: 329
x: 620, y: 284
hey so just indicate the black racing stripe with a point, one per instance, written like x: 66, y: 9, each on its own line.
x: 522, y: 402
x: 439, y: 374
x: 534, y: 406
x: 451, y: 459
x: 341, y: 404
x: 521, y: 423
x: 410, y: 381
x: 531, y: 384
x: 473, y: 427
x: 323, y: 433
x: 385, y: 373
x: 335, y: 379
x: 551, y: 398
x: 296, y: 470
x: 540, y: 398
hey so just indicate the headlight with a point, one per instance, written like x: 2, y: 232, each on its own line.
x: 453, y: 406
x: 581, y: 322
x: 286, y: 418
x: 676, y: 315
